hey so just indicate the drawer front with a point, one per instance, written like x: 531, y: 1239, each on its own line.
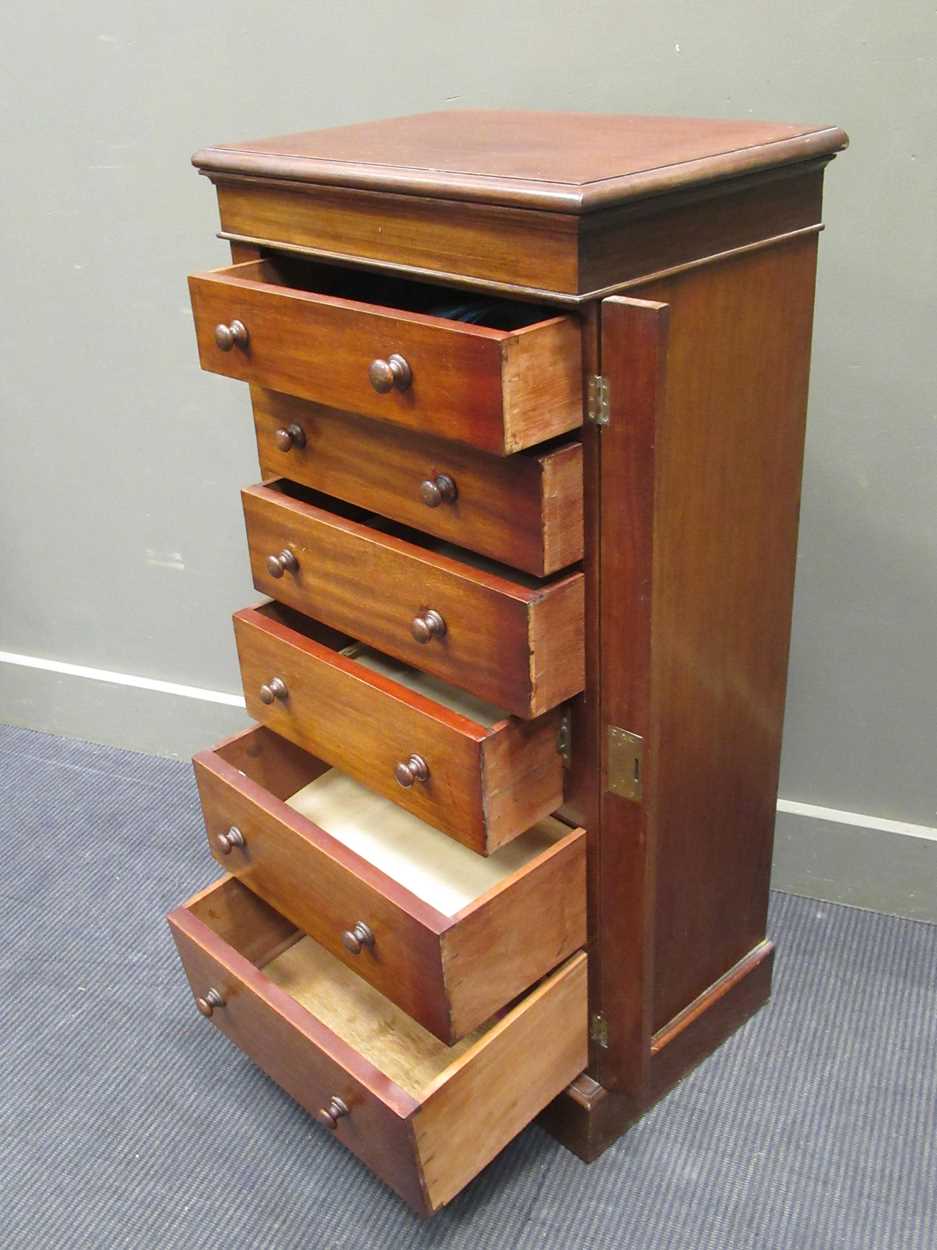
x: 524, y: 510
x: 427, y: 1141
x: 481, y: 785
x: 521, y: 648
x: 499, y: 390
x: 290, y: 1045
x: 449, y: 972
x: 323, y: 889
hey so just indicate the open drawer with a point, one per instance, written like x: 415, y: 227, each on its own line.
x: 448, y: 935
x: 509, y: 638
x: 424, y: 1117
x: 393, y: 349
x: 458, y: 763
x: 524, y: 510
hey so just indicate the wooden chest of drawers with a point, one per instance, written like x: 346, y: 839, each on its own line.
x: 529, y: 395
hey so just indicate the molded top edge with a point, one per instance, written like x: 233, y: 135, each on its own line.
x: 557, y: 162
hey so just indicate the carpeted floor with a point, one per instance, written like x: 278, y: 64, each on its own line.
x: 128, y: 1121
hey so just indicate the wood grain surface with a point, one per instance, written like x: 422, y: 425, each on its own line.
x: 306, y: 1059
x: 634, y: 358
x: 524, y: 510
x: 645, y: 237
x: 510, y: 1074
x: 451, y: 1111
x: 728, y: 471
x: 514, y: 641
x: 498, y: 390
x: 490, y: 243
x: 562, y: 161
x: 486, y: 784
x: 450, y: 972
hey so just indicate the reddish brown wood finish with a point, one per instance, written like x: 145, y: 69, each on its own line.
x: 621, y: 244
x: 321, y: 886
x: 464, y: 194
x: 587, y: 1118
x: 492, y: 244
x: 521, y: 252
x: 563, y: 162
x: 497, y: 390
x: 634, y: 357
x: 515, y: 644
x: 728, y: 469
x: 486, y: 784
x: 690, y: 502
x: 428, y: 1144
x: 449, y: 972
x: 284, y: 1039
x: 524, y: 510
x: 696, y: 591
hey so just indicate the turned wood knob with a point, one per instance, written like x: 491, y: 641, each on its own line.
x: 427, y: 625
x: 411, y: 770
x: 232, y: 838
x: 330, y: 1115
x: 387, y: 374
x: 284, y: 562
x: 230, y: 336
x: 356, y: 939
x: 437, y: 490
x: 209, y: 1001
x: 292, y: 435
x: 273, y: 689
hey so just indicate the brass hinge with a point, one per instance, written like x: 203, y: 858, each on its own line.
x: 564, y: 739
x: 624, y: 763
x: 597, y: 409
x: 598, y: 1029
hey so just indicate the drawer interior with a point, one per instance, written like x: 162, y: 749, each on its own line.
x: 434, y: 688
x: 426, y: 862
x: 357, y: 1013
x: 427, y: 1117
x: 387, y: 291
x: 361, y: 1016
x: 430, y: 864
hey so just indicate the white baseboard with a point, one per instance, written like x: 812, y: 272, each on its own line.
x: 821, y: 852
x: 860, y: 819
x: 865, y: 861
x: 120, y: 709
x: 121, y: 679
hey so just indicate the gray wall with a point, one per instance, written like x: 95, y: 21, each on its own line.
x: 121, y: 462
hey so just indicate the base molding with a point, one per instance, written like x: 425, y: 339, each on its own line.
x: 587, y: 1118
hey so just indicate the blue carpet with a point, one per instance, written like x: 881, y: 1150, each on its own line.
x: 128, y: 1121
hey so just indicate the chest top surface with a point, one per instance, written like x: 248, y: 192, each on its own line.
x: 566, y: 162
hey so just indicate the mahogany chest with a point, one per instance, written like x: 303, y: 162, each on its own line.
x: 529, y: 394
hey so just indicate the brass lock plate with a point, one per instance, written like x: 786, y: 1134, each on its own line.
x: 624, y: 763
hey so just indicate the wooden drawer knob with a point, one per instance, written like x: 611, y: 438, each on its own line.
x: 356, y: 939
x: 387, y: 374
x: 274, y: 689
x: 227, y: 841
x: 234, y: 335
x: 292, y: 435
x: 411, y: 770
x: 284, y: 562
x: 209, y: 1001
x: 427, y: 625
x: 437, y: 490
x: 330, y: 1115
